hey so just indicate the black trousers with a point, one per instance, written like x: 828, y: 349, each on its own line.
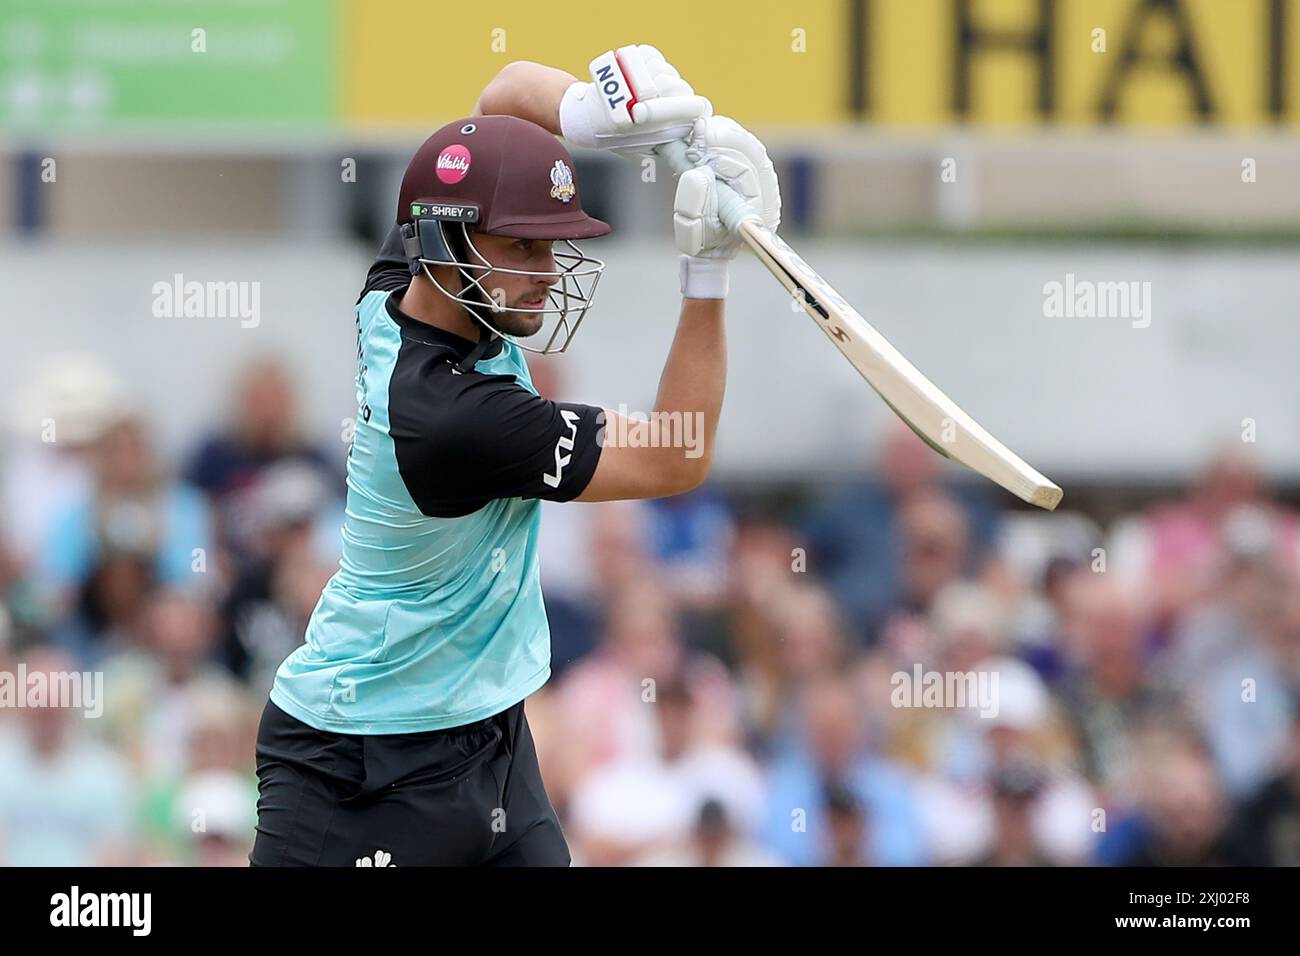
x: 466, y: 796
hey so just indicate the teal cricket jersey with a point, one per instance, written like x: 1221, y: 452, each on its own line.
x: 435, y: 616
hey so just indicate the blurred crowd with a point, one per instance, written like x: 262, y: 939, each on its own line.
x: 724, y: 674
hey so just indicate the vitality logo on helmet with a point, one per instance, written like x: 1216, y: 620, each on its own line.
x: 453, y: 164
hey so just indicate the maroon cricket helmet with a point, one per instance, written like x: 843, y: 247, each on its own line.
x: 502, y: 176
x: 519, y: 176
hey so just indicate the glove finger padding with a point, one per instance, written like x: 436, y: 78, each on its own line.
x: 641, y: 66
x: 656, y: 63
x: 665, y: 111
x: 690, y: 207
x: 696, y: 227
x: 672, y: 85
x: 662, y: 95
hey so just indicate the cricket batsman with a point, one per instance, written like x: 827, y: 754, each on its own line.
x: 395, y: 735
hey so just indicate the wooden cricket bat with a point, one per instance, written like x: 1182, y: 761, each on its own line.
x: 930, y: 413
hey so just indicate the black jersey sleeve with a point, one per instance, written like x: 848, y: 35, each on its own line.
x: 463, y: 440
x: 391, y: 269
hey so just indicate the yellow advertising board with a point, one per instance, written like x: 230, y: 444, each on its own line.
x: 999, y: 63
x: 1082, y: 62
x: 414, y: 60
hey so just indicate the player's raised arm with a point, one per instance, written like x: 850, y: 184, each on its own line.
x: 527, y: 90
x: 634, y: 100
x: 635, y: 461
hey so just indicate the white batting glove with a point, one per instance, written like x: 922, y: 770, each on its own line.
x: 636, y: 101
x: 728, y: 155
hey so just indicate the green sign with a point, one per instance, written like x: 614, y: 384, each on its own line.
x: 87, y: 65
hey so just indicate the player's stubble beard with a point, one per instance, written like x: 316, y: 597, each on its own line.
x: 516, y: 321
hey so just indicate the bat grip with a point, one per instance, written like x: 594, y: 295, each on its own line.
x: 732, y: 208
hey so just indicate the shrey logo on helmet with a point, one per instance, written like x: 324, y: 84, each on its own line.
x: 562, y: 187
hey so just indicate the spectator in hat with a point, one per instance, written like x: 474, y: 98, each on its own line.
x: 62, y: 414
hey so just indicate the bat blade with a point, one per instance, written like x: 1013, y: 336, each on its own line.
x: 930, y: 413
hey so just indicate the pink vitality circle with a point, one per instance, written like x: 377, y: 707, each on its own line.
x: 453, y: 164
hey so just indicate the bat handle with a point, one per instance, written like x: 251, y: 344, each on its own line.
x: 732, y: 208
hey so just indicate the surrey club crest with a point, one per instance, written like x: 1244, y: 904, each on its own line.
x: 562, y: 187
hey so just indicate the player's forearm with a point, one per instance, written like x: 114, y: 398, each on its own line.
x: 694, y: 378
x: 527, y: 90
